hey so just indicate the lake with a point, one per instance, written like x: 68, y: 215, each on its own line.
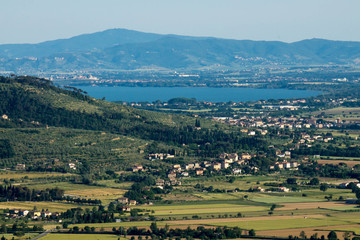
x: 150, y: 94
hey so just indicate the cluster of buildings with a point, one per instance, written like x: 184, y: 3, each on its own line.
x: 137, y: 168
x: 159, y: 156
x: 278, y: 189
x: 277, y: 122
x: 225, y: 161
x: 307, y: 139
x: 126, y: 203
x: 16, y: 213
x: 285, y: 165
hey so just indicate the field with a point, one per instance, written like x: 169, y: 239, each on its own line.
x: 31, y: 175
x: 57, y: 236
x: 26, y: 236
x: 306, y: 210
x: 351, y: 163
x: 284, y: 199
x: 205, y: 209
x: 349, y: 112
x: 52, y: 206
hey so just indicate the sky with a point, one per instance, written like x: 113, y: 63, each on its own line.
x: 33, y: 21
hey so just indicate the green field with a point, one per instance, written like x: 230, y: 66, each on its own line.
x: 122, y: 224
x: 57, y: 236
x: 275, y: 224
x: 26, y: 236
x: 207, y: 209
x: 31, y: 175
x: 284, y: 199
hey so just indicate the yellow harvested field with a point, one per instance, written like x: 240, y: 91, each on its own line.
x: 52, y: 206
x: 336, y: 162
x: 309, y: 231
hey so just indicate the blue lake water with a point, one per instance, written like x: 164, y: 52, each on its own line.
x: 150, y: 94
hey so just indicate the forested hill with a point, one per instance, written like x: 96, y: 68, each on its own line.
x: 30, y: 102
x: 121, y: 49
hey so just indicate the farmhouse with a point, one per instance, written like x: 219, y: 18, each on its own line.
x: 35, y: 214
x: 283, y: 189
x: 172, y: 176
x: 160, y: 182
x: 46, y: 214
x: 137, y: 168
x: 20, y: 167
x: 199, y: 172
x: 122, y: 200
x: 245, y: 156
x: 72, y: 166
x: 125, y: 209
x: 185, y: 174
x: 216, y: 166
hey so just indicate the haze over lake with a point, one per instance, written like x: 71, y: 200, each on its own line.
x: 150, y: 94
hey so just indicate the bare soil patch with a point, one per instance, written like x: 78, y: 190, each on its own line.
x: 336, y: 162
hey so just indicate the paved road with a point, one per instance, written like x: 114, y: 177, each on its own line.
x: 43, y: 234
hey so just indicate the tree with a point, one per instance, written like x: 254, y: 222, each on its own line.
x: 302, y: 235
x: 3, y: 228
x: 324, y: 187
x: 314, y: 181
x: 357, y: 193
x: 332, y: 235
x: 65, y: 225
x: 197, y: 123
x: 273, y: 207
x: 87, y: 229
x: 291, y: 181
x: 252, y: 233
x: 153, y: 227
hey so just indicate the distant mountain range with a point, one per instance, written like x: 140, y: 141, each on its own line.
x: 121, y: 49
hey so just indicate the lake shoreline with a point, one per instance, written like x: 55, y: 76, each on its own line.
x: 211, y: 94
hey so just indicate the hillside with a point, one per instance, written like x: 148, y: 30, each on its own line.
x: 120, y: 49
x: 42, y: 124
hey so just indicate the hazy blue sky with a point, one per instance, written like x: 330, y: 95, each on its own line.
x: 29, y: 21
